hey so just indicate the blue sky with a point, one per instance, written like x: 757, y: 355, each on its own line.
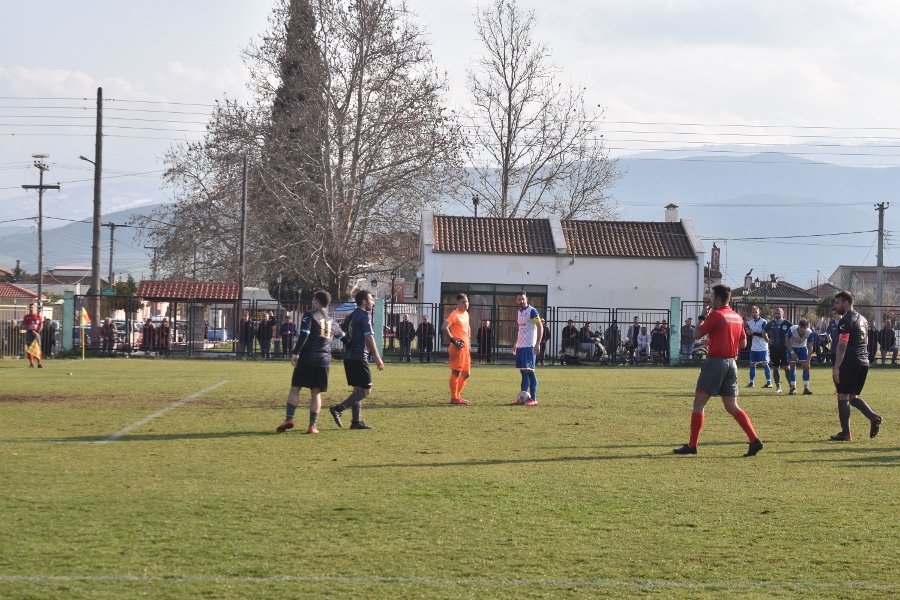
x: 789, y: 70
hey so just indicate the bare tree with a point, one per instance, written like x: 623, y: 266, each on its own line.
x: 534, y: 147
x: 350, y: 141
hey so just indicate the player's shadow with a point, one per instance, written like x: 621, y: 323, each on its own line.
x: 137, y: 437
x: 860, y: 457
x: 654, y: 455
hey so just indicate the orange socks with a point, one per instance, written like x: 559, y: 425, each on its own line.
x: 744, y: 421
x: 454, y: 386
x: 460, y: 384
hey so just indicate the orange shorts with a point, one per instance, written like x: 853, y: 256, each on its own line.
x: 460, y: 358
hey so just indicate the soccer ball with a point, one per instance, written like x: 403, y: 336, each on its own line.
x: 523, y: 397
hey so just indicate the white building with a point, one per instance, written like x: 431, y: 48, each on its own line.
x: 562, y: 263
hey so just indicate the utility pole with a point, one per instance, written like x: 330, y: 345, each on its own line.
x: 112, y: 241
x: 41, y: 167
x: 879, y: 269
x: 94, y: 289
x: 152, y: 261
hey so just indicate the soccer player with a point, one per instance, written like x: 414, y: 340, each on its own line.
x: 718, y: 375
x: 456, y: 327
x: 527, y: 346
x: 360, y: 345
x: 33, y: 324
x: 777, y: 330
x: 851, y: 365
x: 311, y: 359
x: 799, y: 347
x: 759, y: 346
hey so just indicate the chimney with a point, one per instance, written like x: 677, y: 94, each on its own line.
x: 748, y: 282
x: 671, y: 213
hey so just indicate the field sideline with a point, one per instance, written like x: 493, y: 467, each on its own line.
x: 164, y: 479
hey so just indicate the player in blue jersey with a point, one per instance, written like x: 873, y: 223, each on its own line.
x: 360, y: 345
x: 527, y: 346
x: 311, y: 359
x: 777, y: 330
x: 759, y: 346
x: 799, y: 347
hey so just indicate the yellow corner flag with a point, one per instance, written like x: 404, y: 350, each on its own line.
x: 85, y: 319
x: 34, y: 349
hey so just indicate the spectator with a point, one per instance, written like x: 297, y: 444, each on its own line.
x: 634, y: 330
x: 612, y: 338
x: 569, y: 336
x: 642, y: 347
x: 687, y: 338
x: 108, y: 336
x: 425, y: 339
x: 405, y: 333
x: 48, y: 338
x: 245, y: 335
x: 886, y: 339
x: 287, y: 331
x: 485, y: 341
x: 545, y: 337
x: 148, y: 337
x: 832, y: 332
x: 872, y: 342
x: 164, y: 338
x: 265, y: 332
x: 658, y: 342
x: 586, y: 340
x: 665, y: 346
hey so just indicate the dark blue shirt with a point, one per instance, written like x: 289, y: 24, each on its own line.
x: 358, y: 328
x: 778, y: 331
x: 313, y: 347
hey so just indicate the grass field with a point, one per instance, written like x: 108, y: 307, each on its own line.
x: 577, y: 498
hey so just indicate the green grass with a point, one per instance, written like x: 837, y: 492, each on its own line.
x: 579, y: 497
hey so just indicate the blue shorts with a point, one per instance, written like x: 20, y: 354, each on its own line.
x: 525, y: 358
x: 801, y: 352
x: 759, y: 356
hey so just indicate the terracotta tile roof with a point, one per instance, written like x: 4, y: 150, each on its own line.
x: 631, y: 239
x: 187, y: 290
x: 490, y: 235
x: 10, y: 290
x: 783, y: 291
x: 712, y: 273
x: 824, y: 290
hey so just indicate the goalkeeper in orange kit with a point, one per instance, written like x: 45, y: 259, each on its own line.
x: 456, y: 327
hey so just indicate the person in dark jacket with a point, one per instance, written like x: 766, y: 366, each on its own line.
x: 406, y: 333
x: 425, y: 339
x: 245, y: 335
x: 265, y: 331
x: 887, y: 339
x: 485, y: 338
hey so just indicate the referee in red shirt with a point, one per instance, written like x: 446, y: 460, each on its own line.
x: 718, y: 375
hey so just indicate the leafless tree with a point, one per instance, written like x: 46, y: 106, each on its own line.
x: 344, y: 159
x: 534, y: 147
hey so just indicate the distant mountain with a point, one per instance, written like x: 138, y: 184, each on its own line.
x: 773, y: 196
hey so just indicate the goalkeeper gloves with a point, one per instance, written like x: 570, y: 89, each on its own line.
x: 458, y: 343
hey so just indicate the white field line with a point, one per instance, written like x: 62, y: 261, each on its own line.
x: 159, y: 413
x: 461, y: 581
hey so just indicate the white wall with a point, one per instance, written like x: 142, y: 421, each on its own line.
x: 586, y: 281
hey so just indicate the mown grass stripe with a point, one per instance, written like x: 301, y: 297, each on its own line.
x: 462, y: 581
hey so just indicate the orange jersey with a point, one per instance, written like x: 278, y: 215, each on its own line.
x: 458, y: 325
